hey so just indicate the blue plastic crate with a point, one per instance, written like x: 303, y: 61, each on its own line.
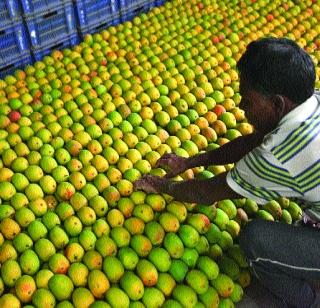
x: 10, y: 11
x: 18, y: 63
x: 124, y: 4
x: 128, y: 12
x: 51, y: 26
x: 13, y: 42
x: 68, y: 41
x: 128, y: 15
x: 94, y: 12
x: 32, y: 7
x: 98, y: 27
x: 160, y: 2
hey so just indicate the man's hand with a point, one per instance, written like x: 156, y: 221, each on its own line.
x: 151, y: 184
x: 173, y: 164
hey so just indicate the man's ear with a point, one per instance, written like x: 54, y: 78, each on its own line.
x: 280, y: 105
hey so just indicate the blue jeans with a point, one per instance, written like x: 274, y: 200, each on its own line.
x: 284, y: 258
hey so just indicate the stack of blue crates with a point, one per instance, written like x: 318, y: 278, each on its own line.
x: 51, y: 25
x: 95, y: 15
x: 14, y: 44
x: 160, y: 2
x: 131, y: 8
x: 32, y: 29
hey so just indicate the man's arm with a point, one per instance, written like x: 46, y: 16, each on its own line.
x: 199, y: 191
x: 230, y: 152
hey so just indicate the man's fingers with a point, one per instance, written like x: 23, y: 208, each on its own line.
x: 137, y: 184
x: 170, y: 174
x: 162, y: 162
x: 145, y: 183
x: 142, y: 185
x: 167, y: 155
x: 165, y: 160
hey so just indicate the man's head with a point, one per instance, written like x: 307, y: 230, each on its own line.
x: 275, y: 76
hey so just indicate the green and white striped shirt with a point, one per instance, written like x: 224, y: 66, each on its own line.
x: 287, y: 163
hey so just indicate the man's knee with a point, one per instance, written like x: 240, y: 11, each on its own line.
x: 250, y: 237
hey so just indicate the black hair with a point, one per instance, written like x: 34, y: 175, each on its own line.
x: 274, y: 66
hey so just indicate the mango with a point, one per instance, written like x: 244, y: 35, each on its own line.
x: 198, y: 281
x: 132, y: 285
x: 223, y: 284
x: 274, y: 208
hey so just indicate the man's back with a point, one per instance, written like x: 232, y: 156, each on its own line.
x: 288, y: 161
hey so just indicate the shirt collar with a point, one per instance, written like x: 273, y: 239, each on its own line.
x: 301, y: 111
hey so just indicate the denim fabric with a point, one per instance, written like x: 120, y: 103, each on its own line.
x: 284, y: 258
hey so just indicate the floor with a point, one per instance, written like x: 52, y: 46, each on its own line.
x: 256, y: 296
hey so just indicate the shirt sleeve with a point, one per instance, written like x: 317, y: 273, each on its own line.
x: 261, y: 177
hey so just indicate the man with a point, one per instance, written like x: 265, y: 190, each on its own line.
x: 281, y: 158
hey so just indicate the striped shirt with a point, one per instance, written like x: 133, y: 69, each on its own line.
x: 287, y: 163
